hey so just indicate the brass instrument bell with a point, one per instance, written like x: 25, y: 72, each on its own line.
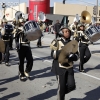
x: 85, y: 17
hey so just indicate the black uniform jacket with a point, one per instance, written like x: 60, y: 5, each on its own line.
x: 55, y: 64
x: 21, y: 39
x: 83, y: 39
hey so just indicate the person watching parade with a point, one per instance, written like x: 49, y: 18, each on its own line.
x: 57, y: 26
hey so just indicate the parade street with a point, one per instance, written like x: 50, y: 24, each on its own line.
x: 43, y: 84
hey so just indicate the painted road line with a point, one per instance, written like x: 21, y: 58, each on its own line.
x: 74, y: 69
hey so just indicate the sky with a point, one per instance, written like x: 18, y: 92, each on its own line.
x: 86, y: 2
x: 16, y: 2
x: 75, y: 1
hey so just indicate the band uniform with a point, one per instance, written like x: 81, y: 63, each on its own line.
x: 64, y: 73
x: 83, y: 46
x: 6, y: 35
x: 24, y: 51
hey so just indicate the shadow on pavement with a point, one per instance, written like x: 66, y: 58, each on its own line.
x: 44, y: 96
x: 3, y: 89
x: 46, y: 72
x: 96, y: 43
x: 96, y: 51
x: 42, y: 58
x: 40, y: 47
x: 7, y: 97
x: 97, y: 67
x: 7, y: 80
x: 92, y: 95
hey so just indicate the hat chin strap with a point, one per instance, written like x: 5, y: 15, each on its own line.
x: 65, y: 38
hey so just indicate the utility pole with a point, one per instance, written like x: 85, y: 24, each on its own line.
x: 19, y: 5
x: 86, y: 7
x: 96, y: 10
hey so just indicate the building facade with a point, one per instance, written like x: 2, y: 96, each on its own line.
x: 37, y: 6
x: 72, y: 9
x: 10, y: 12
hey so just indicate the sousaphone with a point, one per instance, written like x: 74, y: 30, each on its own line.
x: 91, y: 31
x: 41, y: 16
x: 18, y: 15
x: 85, y: 17
x: 41, y: 20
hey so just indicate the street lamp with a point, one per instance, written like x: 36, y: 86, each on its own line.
x: 64, y: 1
x: 3, y: 6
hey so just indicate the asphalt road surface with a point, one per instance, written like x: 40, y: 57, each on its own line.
x: 43, y: 84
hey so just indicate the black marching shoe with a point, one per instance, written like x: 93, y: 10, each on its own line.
x: 7, y: 64
x: 82, y: 71
x: 39, y: 46
x: 27, y: 75
x: 22, y: 77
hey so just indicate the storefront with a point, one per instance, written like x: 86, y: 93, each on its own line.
x: 37, y: 6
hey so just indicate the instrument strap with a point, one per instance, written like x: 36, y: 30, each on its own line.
x: 57, y: 43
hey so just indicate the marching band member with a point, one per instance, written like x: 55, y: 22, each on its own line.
x: 13, y: 34
x: 5, y: 35
x: 42, y: 27
x: 73, y: 28
x: 1, y: 54
x: 65, y: 74
x: 39, y: 43
x: 11, y: 39
x: 15, y: 25
x: 83, y: 47
x: 24, y: 51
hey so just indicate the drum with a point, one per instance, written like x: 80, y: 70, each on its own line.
x: 93, y: 33
x: 32, y: 30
